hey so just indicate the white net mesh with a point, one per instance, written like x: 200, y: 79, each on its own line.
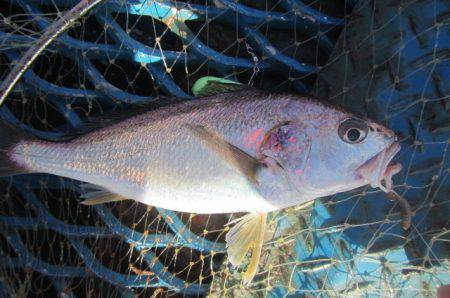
x: 390, y: 62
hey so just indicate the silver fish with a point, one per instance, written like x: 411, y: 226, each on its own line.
x: 242, y: 151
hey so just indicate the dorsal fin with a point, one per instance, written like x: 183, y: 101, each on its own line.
x: 119, y: 113
x: 203, y: 87
x: 210, y: 85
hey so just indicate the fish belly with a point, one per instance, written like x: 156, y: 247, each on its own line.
x: 208, y: 198
x: 188, y: 177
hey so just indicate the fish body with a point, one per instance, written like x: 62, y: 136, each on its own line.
x: 154, y: 159
x: 239, y: 151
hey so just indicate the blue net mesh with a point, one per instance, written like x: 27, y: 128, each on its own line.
x: 391, y: 62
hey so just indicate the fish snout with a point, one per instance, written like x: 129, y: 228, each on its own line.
x: 384, y: 132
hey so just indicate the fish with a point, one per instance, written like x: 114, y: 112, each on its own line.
x: 234, y: 149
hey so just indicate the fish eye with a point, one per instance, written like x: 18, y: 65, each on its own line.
x: 353, y: 130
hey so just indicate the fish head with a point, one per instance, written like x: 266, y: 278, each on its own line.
x: 334, y: 151
x: 352, y: 152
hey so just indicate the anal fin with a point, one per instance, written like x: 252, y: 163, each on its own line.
x: 247, y: 234
x: 95, y: 195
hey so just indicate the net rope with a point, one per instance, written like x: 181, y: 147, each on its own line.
x: 385, y: 59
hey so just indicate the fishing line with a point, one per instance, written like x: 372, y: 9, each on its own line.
x: 255, y: 62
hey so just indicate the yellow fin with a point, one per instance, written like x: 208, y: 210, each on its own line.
x: 95, y: 195
x: 247, y: 233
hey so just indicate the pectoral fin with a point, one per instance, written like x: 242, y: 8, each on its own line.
x: 94, y: 195
x: 245, y: 163
x: 246, y: 234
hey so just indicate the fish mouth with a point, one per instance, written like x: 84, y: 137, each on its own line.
x: 379, y: 168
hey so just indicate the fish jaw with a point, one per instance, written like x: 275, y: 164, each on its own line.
x: 379, y: 168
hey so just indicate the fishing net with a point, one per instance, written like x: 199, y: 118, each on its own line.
x: 385, y: 59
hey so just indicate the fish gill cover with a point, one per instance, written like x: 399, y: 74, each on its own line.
x: 386, y: 59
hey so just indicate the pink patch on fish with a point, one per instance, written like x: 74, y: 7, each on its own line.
x: 292, y: 139
x: 298, y: 172
x: 254, y: 139
x: 443, y: 291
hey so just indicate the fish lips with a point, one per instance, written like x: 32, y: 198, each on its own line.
x: 379, y: 168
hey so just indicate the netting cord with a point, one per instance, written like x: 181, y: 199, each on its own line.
x: 53, y: 31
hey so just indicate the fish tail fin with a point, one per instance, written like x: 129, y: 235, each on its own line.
x: 247, y: 233
x: 9, y: 138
